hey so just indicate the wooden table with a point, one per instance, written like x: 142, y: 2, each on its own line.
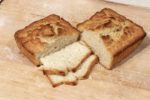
x: 20, y: 80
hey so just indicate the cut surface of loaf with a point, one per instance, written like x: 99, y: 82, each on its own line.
x: 111, y: 36
x: 72, y: 77
x: 67, y: 59
x: 45, y: 36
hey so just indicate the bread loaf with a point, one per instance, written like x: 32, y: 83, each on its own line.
x: 54, y: 44
x: 111, y: 36
x: 44, y: 37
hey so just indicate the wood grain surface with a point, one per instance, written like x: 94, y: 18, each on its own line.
x: 21, y: 80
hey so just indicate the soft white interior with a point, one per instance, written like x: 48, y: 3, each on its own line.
x: 68, y: 58
x: 57, y: 43
x: 85, y: 67
x: 95, y: 42
x: 79, y: 74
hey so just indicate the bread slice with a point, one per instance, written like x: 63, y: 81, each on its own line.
x: 86, y: 67
x: 59, y: 79
x: 67, y: 59
x: 111, y: 36
x: 44, y: 37
x: 81, y: 73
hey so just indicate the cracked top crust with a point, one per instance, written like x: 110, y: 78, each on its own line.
x: 116, y: 31
x: 32, y: 39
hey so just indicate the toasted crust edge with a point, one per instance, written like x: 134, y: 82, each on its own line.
x: 28, y: 54
x: 73, y: 83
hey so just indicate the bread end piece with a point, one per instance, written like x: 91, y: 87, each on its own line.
x: 111, y: 36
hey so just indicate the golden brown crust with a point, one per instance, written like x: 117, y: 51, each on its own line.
x: 29, y: 39
x: 118, y: 57
x: 31, y: 57
x: 54, y: 72
x: 125, y: 33
x: 71, y: 83
x: 99, y: 19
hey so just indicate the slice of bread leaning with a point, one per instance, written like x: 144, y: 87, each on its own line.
x: 111, y: 36
x: 85, y: 68
x: 44, y: 37
x: 72, y: 77
x: 67, y: 59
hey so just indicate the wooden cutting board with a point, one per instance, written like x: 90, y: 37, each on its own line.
x: 20, y: 80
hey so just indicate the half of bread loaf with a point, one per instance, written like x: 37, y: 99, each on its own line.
x: 67, y: 59
x: 111, y: 36
x: 44, y: 37
x: 72, y: 77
